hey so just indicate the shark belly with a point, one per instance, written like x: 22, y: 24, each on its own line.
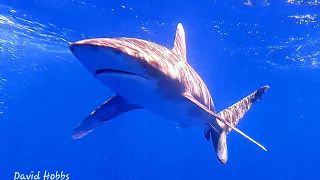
x: 143, y: 92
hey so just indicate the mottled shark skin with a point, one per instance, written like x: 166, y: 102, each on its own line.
x: 146, y: 75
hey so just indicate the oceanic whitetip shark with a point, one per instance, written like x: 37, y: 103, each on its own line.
x: 146, y: 75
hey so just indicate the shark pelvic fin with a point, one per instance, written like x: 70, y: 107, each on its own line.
x: 113, y: 107
x: 179, y: 47
x: 207, y: 132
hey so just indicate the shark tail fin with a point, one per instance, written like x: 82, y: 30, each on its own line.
x: 228, y: 119
x: 219, y: 143
x: 233, y: 114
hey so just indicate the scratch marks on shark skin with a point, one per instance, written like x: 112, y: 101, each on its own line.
x: 234, y: 113
x: 163, y: 59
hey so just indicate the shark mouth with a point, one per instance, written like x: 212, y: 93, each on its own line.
x: 115, y: 71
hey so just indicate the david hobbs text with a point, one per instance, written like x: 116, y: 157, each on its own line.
x: 38, y: 175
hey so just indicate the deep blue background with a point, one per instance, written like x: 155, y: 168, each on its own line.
x: 53, y: 92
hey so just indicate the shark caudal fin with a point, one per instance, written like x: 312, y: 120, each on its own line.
x: 219, y: 143
x: 232, y: 115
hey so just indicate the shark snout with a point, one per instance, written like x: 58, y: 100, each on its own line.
x: 104, y: 59
x: 75, y: 47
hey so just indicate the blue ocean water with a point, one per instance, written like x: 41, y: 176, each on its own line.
x: 235, y: 46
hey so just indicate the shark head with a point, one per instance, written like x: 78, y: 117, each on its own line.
x: 109, y: 57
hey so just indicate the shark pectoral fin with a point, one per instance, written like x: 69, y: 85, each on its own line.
x: 113, y: 107
x: 189, y: 96
x: 179, y: 47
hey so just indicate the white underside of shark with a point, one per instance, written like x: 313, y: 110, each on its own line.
x: 145, y: 75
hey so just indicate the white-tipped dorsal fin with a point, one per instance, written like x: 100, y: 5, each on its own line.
x: 179, y: 47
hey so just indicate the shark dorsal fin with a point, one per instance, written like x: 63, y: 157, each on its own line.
x: 179, y: 47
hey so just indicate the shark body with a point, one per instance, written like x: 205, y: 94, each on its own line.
x: 146, y: 75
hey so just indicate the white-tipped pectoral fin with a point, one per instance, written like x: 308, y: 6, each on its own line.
x: 113, y: 107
